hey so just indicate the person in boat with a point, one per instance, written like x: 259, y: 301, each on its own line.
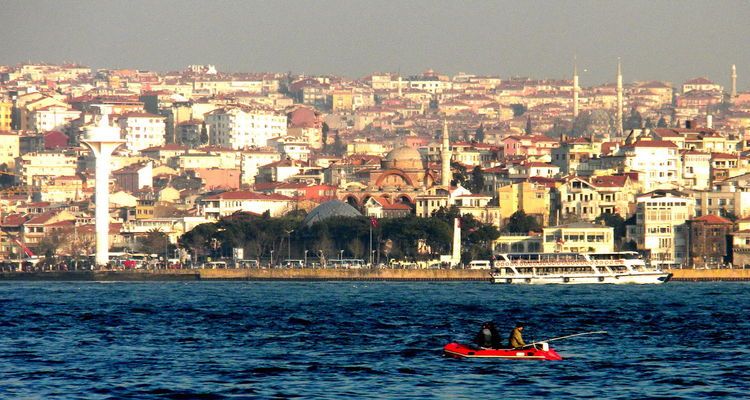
x: 515, y: 340
x: 488, y: 337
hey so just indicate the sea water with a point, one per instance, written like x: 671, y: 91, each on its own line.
x: 214, y: 340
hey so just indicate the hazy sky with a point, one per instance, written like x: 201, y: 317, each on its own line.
x: 666, y: 40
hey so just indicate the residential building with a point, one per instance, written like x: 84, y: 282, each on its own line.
x: 657, y: 161
x: 709, y: 241
x: 532, y: 198
x: 379, y: 207
x: 142, y: 130
x: 661, y: 226
x: 9, y: 149
x: 32, y: 167
x: 588, y: 198
x: 6, y: 114
x: 578, y: 237
x: 50, y: 118
x: 227, y: 203
x: 135, y: 177
x: 243, y: 127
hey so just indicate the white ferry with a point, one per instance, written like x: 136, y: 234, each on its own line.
x: 575, y: 268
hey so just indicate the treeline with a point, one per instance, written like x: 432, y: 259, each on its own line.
x: 411, y: 237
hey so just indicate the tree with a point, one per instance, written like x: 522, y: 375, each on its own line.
x: 633, y: 121
x: 198, y: 240
x: 51, y: 243
x: 155, y: 242
x: 477, y: 180
x: 6, y: 178
x: 559, y: 128
x: 324, y: 135
x: 582, y: 125
x: 204, y: 134
x: 479, y: 134
x: 662, y: 123
x: 723, y: 212
x: 518, y: 109
x: 615, y: 221
x: 460, y: 175
x: 520, y: 222
x: 338, y: 146
x: 528, y: 125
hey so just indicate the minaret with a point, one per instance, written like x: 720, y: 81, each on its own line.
x: 575, y: 90
x: 445, y: 157
x: 102, y: 139
x: 618, y: 121
x: 734, y: 81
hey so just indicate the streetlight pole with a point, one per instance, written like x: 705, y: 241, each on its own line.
x: 289, y: 244
x: 271, y: 263
x: 305, y: 265
x: 341, y: 255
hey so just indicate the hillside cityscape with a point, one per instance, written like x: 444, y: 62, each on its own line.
x: 286, y: 169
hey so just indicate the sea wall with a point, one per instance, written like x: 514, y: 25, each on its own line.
x: 697, y: 275
x: 280, y: 274
x: 346, y: 274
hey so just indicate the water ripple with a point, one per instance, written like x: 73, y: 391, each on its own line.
x: 217, y: 340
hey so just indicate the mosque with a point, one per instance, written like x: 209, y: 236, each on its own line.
x: 403, y: 175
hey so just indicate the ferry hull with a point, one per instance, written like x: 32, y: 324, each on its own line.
x: 632, y: 279
x: 458, y: 350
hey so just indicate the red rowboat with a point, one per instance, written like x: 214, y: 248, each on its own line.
x: 539, y: 351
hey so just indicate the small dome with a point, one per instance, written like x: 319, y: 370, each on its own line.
x: 333, y: 208
x: 403, y: 157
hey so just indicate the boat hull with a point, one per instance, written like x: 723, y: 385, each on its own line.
x: 458, y: 350
x: 577, y: 279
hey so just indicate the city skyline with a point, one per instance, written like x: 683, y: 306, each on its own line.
x: 655, y: 41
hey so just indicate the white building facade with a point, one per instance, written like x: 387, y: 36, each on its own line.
x: 142, y: 130
x: 244, y: 127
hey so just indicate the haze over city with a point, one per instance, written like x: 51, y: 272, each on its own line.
x: 671, y: 41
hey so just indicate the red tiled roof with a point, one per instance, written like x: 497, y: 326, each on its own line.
x: 723, y: 156
x: 654, y: 143
x: 167, y: 147
x: 699, y: 81
x: 609, y: 181
x: 713, y: 219
x: 247, y: 195
x: 13, y: 220
x: 136, y: 114
x: 42, y: 218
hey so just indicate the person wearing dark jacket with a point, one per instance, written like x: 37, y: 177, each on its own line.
x: 515, y: 340
x: 488, y: 337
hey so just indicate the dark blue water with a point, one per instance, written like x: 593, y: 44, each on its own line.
x: 367, y: 340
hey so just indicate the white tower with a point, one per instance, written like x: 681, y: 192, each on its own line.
x: 618, y: 121
x: 400, y: 93
x: 102, y: 139
x: 445, y: 157
x: 734, y: 80
x: 575, y: 90
x: 456, y: 247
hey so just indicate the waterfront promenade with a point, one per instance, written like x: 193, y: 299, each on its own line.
x: 307, y: 274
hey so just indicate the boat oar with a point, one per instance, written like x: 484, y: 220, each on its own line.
x: 568, y: 336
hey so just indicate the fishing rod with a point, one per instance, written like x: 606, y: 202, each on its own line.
x: 568, y: 336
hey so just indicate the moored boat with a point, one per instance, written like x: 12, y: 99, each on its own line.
x: 575, y: 268
x: 537, y: 351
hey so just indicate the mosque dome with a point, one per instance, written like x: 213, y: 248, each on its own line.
x: 404, y: 157
x: 332, y: 208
